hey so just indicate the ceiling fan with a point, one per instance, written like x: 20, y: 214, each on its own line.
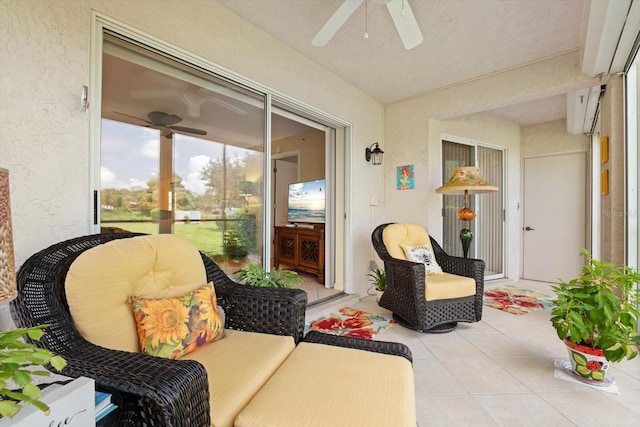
x: 165, y: 122
x: 400, y: 11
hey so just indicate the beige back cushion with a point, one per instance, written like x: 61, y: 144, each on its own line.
x: 101, y: 280
x: 395, y: 235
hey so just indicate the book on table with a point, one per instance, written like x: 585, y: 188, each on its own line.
x: 103, y: 405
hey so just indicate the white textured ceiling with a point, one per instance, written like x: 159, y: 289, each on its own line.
x: 464, y: 40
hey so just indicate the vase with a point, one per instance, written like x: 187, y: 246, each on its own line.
x: 587, y: 362
x: 378, y: 295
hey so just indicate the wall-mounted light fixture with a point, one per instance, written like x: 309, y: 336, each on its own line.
x: 374, y: 154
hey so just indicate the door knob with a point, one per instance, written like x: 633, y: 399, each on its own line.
x: 527, y: 228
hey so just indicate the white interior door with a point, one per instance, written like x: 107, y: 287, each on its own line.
x: 285, y: 173
x: 554, y: 225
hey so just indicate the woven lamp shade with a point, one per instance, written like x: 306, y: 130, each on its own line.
x: 7, y: 259
x: 466, y: 178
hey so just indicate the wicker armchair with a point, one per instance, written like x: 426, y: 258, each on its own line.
x: 150, y: 391
x: 406, y: 289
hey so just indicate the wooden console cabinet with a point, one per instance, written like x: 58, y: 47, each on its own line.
x: 301, y: 249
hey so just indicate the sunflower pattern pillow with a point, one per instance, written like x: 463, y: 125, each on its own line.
x: 423, y: 254
x: 173, y: 327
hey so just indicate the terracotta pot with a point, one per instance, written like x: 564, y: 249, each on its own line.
x: 587, y: 362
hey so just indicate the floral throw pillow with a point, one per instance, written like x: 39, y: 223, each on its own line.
x: 423, y: 254
x: 173, y: 327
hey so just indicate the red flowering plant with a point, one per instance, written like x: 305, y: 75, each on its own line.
x: 599, y: 309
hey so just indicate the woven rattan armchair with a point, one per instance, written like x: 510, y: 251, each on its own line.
x: 405, y: 291
x: 151, y: 391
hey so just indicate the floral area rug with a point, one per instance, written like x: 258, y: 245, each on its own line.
x: 515, y: 300
x: 351, y: 323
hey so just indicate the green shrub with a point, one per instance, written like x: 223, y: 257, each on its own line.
x: 255, y: 275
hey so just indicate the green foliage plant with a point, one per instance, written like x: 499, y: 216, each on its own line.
x: 378, y: 278
x: 256, y: 275
x: 600, y: 309
x: 234, y: 246
x: 19, y: 362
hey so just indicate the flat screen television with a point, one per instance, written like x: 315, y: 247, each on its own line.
x: 306, y: 202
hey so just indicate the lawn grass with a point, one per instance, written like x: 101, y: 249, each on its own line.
x: 206, y: 236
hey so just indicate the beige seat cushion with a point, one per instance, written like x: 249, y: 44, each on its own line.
x: 395, y: 235
x: 321, y: 385
x: 237, y: 367
x: 101, y: 280
x: 446, y: 286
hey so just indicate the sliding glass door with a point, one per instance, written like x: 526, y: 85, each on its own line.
x: 182, y: 151
x: 488, y: 227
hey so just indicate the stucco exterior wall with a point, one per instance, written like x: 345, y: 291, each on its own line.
x: 45, y: 52
x: 551, y: 138
x: 413, y: 130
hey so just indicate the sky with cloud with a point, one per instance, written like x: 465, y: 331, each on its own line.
x: 130, y: 155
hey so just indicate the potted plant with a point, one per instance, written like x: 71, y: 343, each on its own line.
x: 596, y: 314
x: 19, y: 362
x: 255, y: 275
x: 233, y: 245
x: 379, y: 280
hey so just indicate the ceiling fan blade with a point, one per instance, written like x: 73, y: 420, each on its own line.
x: 163, y: 119
x: 188, y: 130
x: 132, y: 117
x: 153, y: 93
x: 331, y: 27
x: 407, y: 25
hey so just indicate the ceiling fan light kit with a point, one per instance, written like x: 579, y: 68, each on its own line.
x: 165, y: 123
x: 401, y: 14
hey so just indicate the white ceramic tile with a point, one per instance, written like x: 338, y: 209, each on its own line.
x: 497, y: 345
x: 430, y: 377
x: 521, y: 410
x: 451, y: 411
x: 591, y: 409
x: 499, y: 372
x: 628, y: 399
x: 537, y: 374
x: 623, y: 380
x: 451, y: 346
x: 483, y: 376
x: 476, y: 328
x: 417, y: 347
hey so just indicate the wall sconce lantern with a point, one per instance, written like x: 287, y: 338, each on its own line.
x: 374, y: 154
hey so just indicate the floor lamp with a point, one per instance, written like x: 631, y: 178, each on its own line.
x: 464, y: 181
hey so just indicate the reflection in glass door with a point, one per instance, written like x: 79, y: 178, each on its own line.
x: 182, y: 151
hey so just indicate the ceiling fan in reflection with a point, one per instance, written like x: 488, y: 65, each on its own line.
x: 165, y: 123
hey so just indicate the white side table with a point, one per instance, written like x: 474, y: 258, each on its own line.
x: 71, y: 405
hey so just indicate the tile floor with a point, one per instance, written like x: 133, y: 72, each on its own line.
x: 499, y: 372
x: 315, y: 291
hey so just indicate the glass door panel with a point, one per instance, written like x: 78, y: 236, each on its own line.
x: 181, y: 152
x: 488, y: 227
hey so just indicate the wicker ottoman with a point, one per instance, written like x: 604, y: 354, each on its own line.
x: 337, y: 381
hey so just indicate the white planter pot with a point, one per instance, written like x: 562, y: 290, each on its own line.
x: 378, y: 295
x: 588, y: 363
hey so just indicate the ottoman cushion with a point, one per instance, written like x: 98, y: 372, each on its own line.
x: 322, y: 385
